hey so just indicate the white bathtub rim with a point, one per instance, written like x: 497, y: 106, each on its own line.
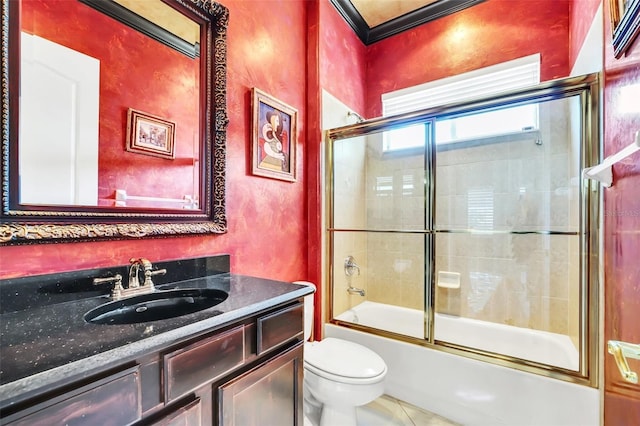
x: 473, y: 392
x: 570, y: 358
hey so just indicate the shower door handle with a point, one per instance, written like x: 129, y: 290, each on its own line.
x: 620, y: 352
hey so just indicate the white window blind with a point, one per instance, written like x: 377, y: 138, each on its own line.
x: 507, y: 76
x: 480, y: 209
x: 515, y: 74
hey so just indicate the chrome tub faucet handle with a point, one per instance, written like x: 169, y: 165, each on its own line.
x: 350, y: 266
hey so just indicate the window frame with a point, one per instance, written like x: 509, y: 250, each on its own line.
x: 488, y: 81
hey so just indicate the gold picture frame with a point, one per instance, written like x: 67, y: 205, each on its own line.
x: 151, y: 135
x: 625, y: 24
x: 274, y: 133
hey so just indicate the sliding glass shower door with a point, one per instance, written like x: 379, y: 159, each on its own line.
x: 379, y: 222
x: 453, y: 228
x: 507, y: 240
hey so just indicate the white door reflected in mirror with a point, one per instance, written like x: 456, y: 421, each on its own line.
x: 59, y: 109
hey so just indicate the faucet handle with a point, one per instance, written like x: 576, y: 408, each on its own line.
x: 117, y: 289
x: 148, y: 273
x: 350, y: 266
x: 117, y: 278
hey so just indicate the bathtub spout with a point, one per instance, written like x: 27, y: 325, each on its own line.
x: 354, y: 290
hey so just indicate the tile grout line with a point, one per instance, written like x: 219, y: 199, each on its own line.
x: 405, y: 412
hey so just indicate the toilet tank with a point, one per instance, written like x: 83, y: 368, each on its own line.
x: 308, y: 309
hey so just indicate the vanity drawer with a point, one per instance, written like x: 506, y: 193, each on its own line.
x: 192, y: 366
x: 113, y: 400
x: 279, y: 327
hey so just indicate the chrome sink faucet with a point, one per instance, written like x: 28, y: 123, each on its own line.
x: 135, y: 287
x: 134, y: 271
x: 134, y: 279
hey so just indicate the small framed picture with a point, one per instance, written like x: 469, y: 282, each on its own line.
x: 150, y: 135
x: 273, y: 137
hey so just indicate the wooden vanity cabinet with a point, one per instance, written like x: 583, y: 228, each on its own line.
x: 189, y: 414
x: 110, y: 400
x: 246, y: 373
x: 270, y: 394
x: 188, y: 368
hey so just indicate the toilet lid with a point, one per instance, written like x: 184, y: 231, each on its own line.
x: 341, y: 358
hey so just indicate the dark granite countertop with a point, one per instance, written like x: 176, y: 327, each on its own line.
x: 46, y: 343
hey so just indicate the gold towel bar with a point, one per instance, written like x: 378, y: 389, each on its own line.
x: 620, y: 352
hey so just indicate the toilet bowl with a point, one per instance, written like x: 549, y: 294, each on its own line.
x: 339, y: 375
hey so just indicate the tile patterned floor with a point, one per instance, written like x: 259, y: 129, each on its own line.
x: 388, y: 411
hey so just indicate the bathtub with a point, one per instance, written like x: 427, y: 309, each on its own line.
x: 534, y: 345
x: 468, y: 391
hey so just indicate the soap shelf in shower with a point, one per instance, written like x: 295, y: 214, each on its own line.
x: 602, y: 172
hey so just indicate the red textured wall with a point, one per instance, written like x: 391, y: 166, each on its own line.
x: 267, y: 218
x: 581, y: 13
x: 485, y: 34
x: 343, y: 59
x: 336, y: 62
x: 621, y: 226
x: 274, y: 228
x: 135, y: 72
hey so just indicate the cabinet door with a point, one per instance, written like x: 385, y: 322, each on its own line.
x: 114, y: 400
x: 189, y: 415
x: 268, y: 395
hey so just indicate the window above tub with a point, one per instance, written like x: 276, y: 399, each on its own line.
x: 515, y: 74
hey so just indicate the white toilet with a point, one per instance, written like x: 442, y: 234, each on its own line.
x: 338, y: 375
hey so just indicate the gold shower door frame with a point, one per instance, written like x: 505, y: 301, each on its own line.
x: 586, y: 89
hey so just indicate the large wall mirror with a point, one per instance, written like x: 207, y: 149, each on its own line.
x: 113, y: 119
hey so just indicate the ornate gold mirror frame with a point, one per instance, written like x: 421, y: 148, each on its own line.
x: 23, y: 223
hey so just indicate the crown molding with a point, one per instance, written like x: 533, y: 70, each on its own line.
x: 370, y: 35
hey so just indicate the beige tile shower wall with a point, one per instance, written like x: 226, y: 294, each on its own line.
x: 395, y: 201
x: 349, y: 213
x: 354, y: 244
x: 396, y: 269
x: 520, y: 280
x: 526, y: 179
x: 522, y: 185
